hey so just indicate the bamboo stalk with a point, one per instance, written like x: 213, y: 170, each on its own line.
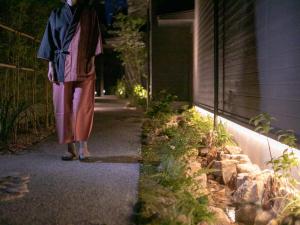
x: 4, y: 65
x: 18, y: 32
x: 24, y: 83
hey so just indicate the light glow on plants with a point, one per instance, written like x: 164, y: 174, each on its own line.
x: 253, y: 144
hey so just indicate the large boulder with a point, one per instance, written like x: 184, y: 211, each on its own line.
x: 220, y: 216
x: 250, y: 191
x: 242, y: 178
x: 225, y: 170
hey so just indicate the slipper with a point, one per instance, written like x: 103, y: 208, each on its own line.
x: 69, y: 157
x: 85, y: 158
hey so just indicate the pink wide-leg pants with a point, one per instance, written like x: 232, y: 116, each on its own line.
x: 74, y: 110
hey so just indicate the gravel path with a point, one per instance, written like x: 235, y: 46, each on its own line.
x: 77, y: 193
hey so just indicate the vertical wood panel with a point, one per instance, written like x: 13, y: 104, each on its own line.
x: 204, y: 87
x: 259, y: 56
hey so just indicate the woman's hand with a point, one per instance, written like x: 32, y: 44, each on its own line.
x: 51, y: 73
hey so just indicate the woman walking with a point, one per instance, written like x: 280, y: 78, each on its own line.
x: 70, y: 43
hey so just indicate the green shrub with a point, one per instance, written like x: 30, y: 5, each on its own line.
x: 9, y: 116
x: 168, y: 195
x: 161, y: 104
x: 139, y: 95
x: 283, y: 166
x: 120, y: 89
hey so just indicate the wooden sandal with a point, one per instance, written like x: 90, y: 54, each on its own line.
x: 69, y: 157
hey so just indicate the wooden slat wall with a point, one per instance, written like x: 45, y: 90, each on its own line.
x: 259, y: 68
x: 240, y: 73
x: 172, y: 60
x: 204, y: 87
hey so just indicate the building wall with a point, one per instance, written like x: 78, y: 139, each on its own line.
x: 259, y: 59
x: 172, y: 60
x: 203, y: 90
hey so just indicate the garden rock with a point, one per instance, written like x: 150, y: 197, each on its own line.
x: 249, y: 192
x: 193, y: 168
x: 233, y: 149
x: 248, y: 168
x: 225, y: 170
x: 263, y: 217
x: 220, y: 216
x: 203, y: 151
x: 182, y: 219
x: 272, y: 222
x: 246, y: 214
x: 241, y: 158
x: 270, y: 191
x: 242, y: 178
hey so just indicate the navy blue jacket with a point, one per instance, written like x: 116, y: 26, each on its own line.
x: 60, y: 29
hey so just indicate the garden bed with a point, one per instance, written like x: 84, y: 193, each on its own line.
x: 195, y: 174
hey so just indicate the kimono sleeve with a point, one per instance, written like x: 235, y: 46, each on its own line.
x: 99, y: 47
x: 47, y: 47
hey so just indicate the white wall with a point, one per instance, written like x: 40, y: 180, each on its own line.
x: 252, y: 143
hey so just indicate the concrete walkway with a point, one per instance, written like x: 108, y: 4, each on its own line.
x: 79, y: 193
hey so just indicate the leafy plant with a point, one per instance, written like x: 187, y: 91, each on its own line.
x: 140, y: 92
x: 24, y: 90
x: 282, y: 165
x: 166, y: 199
x: 222, y: 136
x: 9, y: 116
x: 131, y: 48
x: 292, y: 208
x: 287, y: 137
x: 204, y: 129
x: 262, y: 123
x: 169, y: 194
x: 139, y: 95
x: 121, y: 90
x: 161, y: 104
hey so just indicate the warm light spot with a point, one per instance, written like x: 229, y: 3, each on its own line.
x: 253, y: 144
